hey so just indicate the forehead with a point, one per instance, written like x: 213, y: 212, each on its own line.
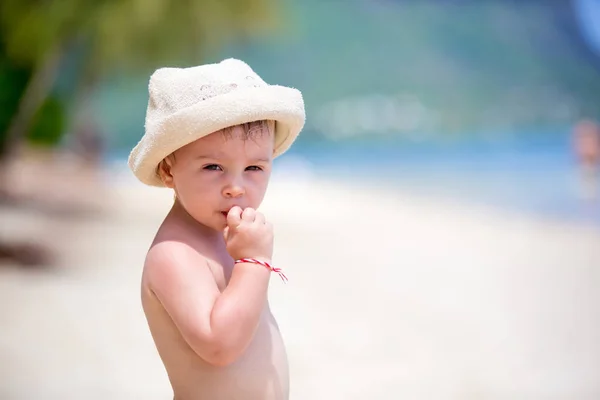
x: 235, y: 142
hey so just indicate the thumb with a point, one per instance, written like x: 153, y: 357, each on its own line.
x: 234, y: 217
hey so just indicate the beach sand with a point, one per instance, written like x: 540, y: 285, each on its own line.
x: 391, y: 296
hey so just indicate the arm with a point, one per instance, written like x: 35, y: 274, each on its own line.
x: 217, y: 326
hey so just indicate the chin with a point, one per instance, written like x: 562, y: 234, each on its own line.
x: 211, y: 223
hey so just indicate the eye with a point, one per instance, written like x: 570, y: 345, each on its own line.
x: 254, y: 168
x: 212, y: 167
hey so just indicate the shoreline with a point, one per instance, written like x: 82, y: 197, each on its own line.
x: 562, y: 206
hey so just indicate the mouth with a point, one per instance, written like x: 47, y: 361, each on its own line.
x: 226, y: 211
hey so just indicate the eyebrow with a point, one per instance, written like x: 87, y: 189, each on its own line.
x: 204, y: 157
x: 213, y: 157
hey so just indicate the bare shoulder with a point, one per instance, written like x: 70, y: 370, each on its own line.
x: 171, y: 263
x: 164, y: 254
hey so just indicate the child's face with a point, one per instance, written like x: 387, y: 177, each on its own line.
x: 217, y: 172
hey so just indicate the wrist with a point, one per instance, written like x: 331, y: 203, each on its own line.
x: 254, y: 257
x: 263, y: 263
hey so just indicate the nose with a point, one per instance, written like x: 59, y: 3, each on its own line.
x: 233, y: 190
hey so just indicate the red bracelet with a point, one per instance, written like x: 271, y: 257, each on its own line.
x: 265, y: 264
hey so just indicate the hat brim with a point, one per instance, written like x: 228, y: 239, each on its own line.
x: 281, y: 104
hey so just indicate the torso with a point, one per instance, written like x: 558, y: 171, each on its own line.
x: 261, y: 373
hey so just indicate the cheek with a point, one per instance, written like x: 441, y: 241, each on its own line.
x: 192, y: 185
x: 256, y: 186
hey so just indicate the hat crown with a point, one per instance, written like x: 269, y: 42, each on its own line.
x: 174, y: 89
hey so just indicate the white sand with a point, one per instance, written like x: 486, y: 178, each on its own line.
x: 390, y: 297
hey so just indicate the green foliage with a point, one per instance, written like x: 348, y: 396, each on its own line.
x: 12, y: 81
x: 108, y: 37
x: 49, y: 124
x: 128, y: 34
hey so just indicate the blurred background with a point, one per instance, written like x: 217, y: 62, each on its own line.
x: 474, y: 118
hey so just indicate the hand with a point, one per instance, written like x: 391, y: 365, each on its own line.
x: 248, y: 235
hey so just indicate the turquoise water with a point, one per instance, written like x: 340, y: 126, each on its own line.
x: 538, y: 177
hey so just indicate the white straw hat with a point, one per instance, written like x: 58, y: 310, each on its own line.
x: 186, y: 104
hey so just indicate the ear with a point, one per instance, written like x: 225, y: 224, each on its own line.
x: 164, y: 172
